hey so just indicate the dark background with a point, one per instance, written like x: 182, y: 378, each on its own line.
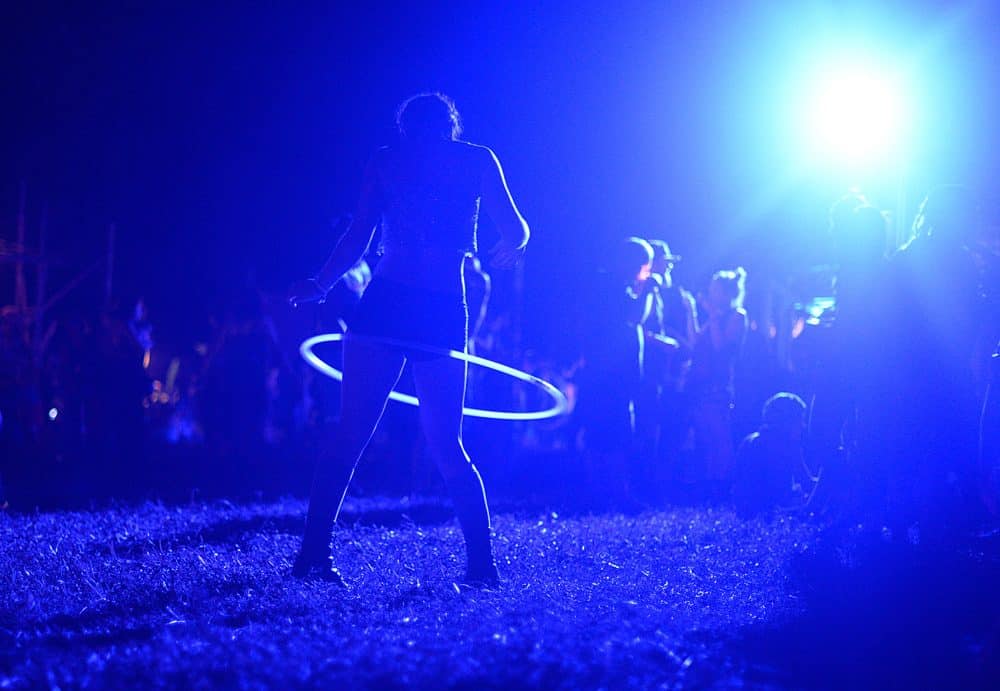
x: 224, y: 138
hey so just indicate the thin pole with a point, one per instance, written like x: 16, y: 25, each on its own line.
x: 109, y: 268
x: 20, y: 291
x: 41, y: 279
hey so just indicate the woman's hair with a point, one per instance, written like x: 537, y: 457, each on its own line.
x: 633, y: 254
x: 734, y: 283
x: 784, y: 409
x: 950, y: 212
x: 428, y: 116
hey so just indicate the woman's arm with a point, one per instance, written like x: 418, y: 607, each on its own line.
x: 499, y: 204
x: 690, y: 321
x: 351, y: 246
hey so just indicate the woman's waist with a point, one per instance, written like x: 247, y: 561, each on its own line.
x: 439, y: 231
x: 426, y: 268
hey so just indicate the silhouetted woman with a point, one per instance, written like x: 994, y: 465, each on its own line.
x: 854, y: 393
x: 939, y: 352
x: 710, y: 384
x: 609, y: 381
x: 426, y: 193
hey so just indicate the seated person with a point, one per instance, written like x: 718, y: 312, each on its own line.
x: 771, y: 472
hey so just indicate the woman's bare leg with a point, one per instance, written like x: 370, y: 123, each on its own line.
x: 371, y: 370
x: 440, y: 387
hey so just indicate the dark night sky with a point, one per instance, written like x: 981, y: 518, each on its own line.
x: 229, y: 136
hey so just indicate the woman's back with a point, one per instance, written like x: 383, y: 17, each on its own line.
x: 429, y: 196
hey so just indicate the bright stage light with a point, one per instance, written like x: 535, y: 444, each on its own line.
x: 854, y: 115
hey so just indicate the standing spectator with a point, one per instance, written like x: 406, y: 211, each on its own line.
x: 610, y: 378
x: 849, y: 417
x: 710, y: 384
x: 670, y: 329
x: 935, y: 398
x: 989, y: 440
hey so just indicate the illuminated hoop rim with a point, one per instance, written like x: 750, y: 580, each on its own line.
x: 559, y: 406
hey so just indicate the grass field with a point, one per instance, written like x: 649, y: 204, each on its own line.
x: 199, y: 596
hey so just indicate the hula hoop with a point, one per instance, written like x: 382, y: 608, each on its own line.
x: 559, y: 400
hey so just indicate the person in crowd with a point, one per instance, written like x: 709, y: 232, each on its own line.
x: 610, y: 378
x: 710, y: 382
x: 670, y: 330
x: 989, y: 440
x: 426, y: 191
x: 771, y: 471
x: 936, y: 333
x: 849, y: 417
x: 677, y: 305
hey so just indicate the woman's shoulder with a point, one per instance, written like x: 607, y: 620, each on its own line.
x: 472, y: 147
x: 477, y: 153
x: 382, y: 157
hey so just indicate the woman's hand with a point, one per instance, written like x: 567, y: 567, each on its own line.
x: 506, y: 255
x: 305, y: 291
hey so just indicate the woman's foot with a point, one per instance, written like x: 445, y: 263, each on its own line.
x: 312, y: 568
x: 483, y: 577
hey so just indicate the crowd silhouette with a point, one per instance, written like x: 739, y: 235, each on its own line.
x: 891, y: 423
x: 879, y: 405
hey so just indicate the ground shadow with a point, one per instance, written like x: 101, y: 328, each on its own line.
x: 235, y: 530
x: 886, y: 615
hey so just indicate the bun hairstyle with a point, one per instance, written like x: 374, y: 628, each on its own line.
x: 734, y: 284
x: 428, y: 116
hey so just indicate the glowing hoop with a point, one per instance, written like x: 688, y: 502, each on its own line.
x: 559, y: 400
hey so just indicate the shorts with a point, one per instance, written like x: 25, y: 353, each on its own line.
x: 397, y: 312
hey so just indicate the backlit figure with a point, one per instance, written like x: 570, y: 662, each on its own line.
x: 426, y: 193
